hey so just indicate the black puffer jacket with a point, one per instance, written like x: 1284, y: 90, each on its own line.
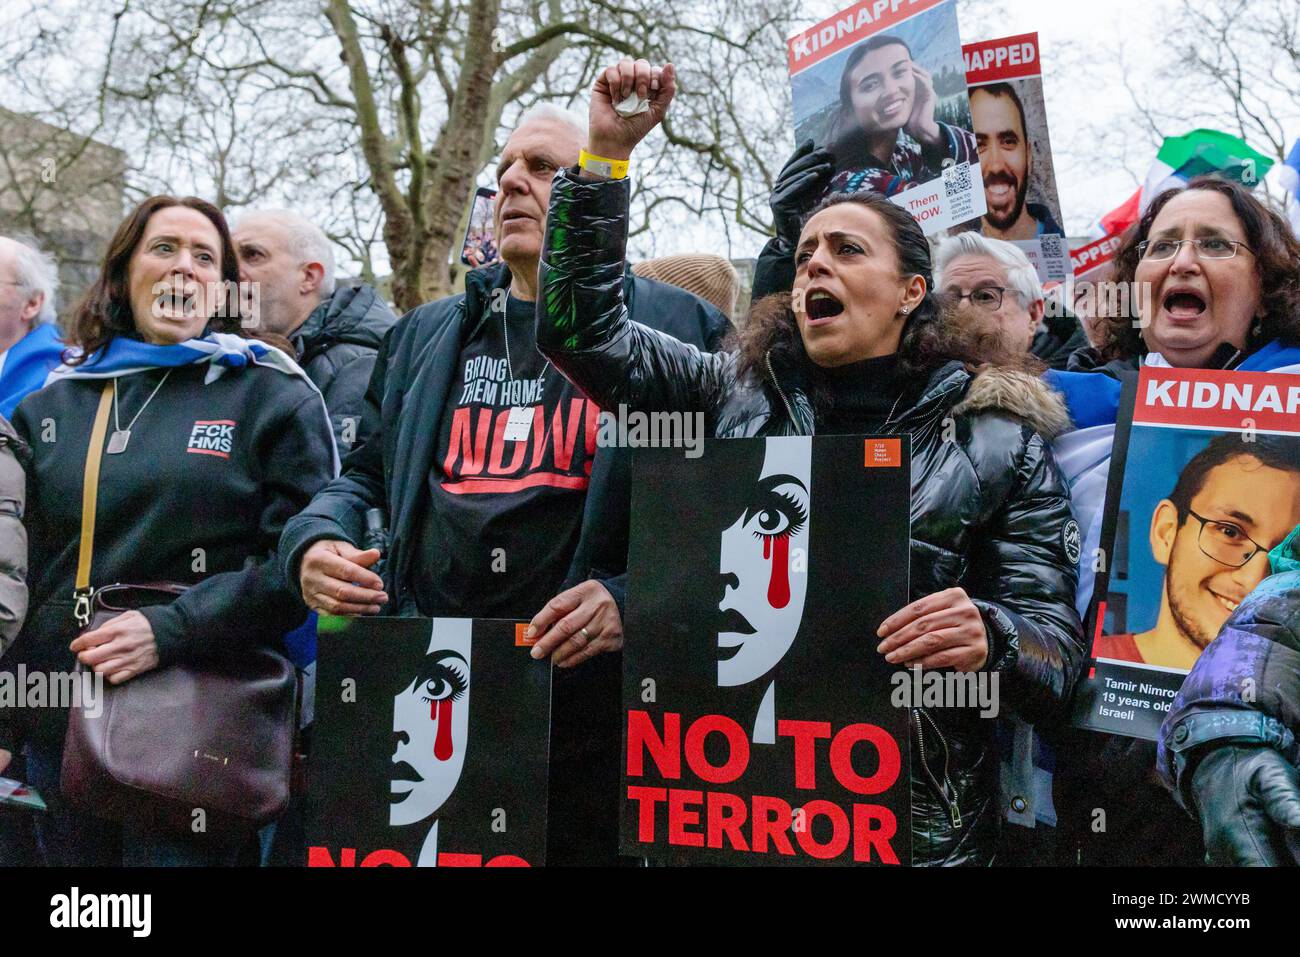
x: 990, y: 511
x: 336, y: 347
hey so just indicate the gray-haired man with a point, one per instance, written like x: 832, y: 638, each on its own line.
x: 485, y: 460
x: 29, y: 340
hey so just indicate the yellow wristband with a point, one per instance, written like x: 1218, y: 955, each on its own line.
x: 602, y: 166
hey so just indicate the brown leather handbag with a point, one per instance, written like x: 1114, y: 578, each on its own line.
x: 212, y: 737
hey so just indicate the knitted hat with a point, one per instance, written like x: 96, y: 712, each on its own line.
x: 710, y: 277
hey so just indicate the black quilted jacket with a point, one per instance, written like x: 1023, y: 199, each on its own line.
x: 336, y: 347
x: 990, y: 509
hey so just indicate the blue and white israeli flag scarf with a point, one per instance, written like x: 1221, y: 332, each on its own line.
x: 223, y: 351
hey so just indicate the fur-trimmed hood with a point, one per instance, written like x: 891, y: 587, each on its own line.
x: 1020, y: 394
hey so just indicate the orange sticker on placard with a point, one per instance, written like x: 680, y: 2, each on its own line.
x: 520, y: 640
x: 883, y: 453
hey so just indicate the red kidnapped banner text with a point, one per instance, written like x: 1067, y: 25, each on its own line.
x: 849, y: 27
x: 1009, y: 58
x: 1219, y: 400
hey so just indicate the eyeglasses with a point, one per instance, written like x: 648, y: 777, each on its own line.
x: 1207, y: 247
x: 986, y: 297
x: 1224, y: 542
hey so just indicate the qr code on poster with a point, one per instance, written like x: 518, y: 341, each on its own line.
x: 956, y: 180
x: 1054, y: 257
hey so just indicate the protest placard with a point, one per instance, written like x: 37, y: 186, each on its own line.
x: 430, y: 746
x: 882, y: 85
x: 1204, y: 481
x: 1093, y: 261
x: 1009, y: 119
x: 759, y: 721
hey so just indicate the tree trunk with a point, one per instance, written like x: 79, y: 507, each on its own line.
x: 399, y: 233
x: 453, y: 166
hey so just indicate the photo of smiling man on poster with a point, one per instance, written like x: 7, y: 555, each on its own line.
x: 1001, y: 133
x: 1009, y: 120
x: 1232, y: 503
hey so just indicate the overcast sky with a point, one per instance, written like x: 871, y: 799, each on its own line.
x: 1085, y: 89
x: 1091, y: 91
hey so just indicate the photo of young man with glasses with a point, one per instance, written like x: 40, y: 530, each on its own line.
x: 1234, y: 501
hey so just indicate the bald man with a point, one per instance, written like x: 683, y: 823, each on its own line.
x: 335, y: 330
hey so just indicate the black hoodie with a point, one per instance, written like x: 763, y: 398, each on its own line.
x: 209, y: 477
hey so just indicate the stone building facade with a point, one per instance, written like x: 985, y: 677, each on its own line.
x: 66, y: 191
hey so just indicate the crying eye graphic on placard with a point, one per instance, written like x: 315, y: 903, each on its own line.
x: 431, y: 726
x: 764, y: 565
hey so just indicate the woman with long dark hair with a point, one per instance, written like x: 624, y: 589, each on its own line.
x: 215, y: 441
x: 885, y: 135
x: 862, y: 346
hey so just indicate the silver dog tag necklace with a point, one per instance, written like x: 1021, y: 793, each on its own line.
x: 120, y: 437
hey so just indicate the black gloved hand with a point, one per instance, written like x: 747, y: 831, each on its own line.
x: 1248, y: 799
x: 799, y: 186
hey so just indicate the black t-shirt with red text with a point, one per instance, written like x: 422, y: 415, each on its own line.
x: 507, y: 487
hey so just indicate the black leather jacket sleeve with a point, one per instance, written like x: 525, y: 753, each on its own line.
x: 583, y: 325
x: 1025, y: 583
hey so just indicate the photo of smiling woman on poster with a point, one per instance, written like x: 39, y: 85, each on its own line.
x: 885, y: 136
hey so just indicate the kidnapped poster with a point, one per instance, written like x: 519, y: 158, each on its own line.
x: 430, y: 746
x: 882, y: 86
x: 1204, y: 483
x: 1009, y: 120
x: 758, y: 727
